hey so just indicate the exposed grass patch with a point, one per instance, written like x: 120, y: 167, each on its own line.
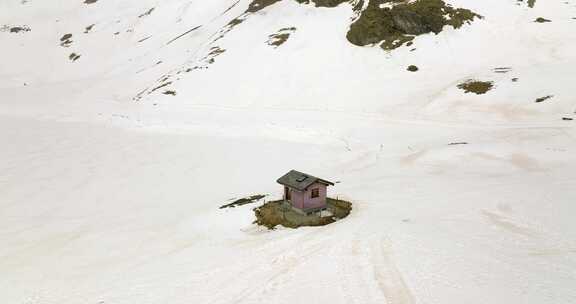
x: 215, y: 51
x: 234, y: 22
x: 244, y: 201
x: 160, y: 86
x: 258, y: 5
x: 15, y: 29
x: 74, y: 56
x: 412, y: 68
x: 542, y: 20
x: 324, y: 3
x: 357, y: 7
x: 89, y: 28
x: 144, y: 39
x: 476, y: 87
x: 502, y: 70
x: 392, y: 23
x: 280, y: 37
x: 183, y: 34
x: 169, y: 92
x: 147, y: 13
x: 275, y: 213
x: 541, y: 99
x: 531, y: 3
x: 66, y: 40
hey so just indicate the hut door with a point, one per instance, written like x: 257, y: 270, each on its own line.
x: 287, y: 193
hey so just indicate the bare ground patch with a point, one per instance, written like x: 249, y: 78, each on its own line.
x: 280, y: 37
x: 476, y: 86
x: 244, y: 201
x: 275, y: 213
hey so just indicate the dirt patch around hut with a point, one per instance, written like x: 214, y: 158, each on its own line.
x: 275, y: 213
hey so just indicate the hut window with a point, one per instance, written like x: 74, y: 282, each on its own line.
x: 315, y: 193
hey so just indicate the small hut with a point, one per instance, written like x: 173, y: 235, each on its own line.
x: 305, y: 193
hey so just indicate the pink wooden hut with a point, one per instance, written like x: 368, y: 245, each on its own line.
x: 305, y: 192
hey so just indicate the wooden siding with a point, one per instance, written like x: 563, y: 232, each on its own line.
x: 316, y: 202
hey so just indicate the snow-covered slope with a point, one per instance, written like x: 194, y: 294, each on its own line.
x: 113, y: 164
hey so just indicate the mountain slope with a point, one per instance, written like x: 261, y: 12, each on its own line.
x: 126, y: 124
x: 130, y: 54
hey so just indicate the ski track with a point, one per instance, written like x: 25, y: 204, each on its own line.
x: 368, y: 273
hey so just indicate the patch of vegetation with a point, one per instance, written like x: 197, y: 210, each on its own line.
x: 183, y: 34
x: 324, y: 3
x: 412, y: 68
x: 531, y: 3
x: 215, y: 51
x: 275, y: 213
x: 169, y: 92
x: 567, y: 118
x: 89, y: 28
x: 392, y: 23
x: 90, y: 1
x: 74, y: 57
x: 258, y: 5
x: 66, y: 40
x: 502, y: 70
x: 458, y: 143
x: 244, y: 201
x: 541, y: 99
x: 210, y: 57
x: 144, y: 39
x: 542, y: 20
x: 147, y: 13
x: 230, y: 8
x: 277, y: 40
x: 14, y: 29
x: 357, y: 7
x: 477, y: 87
x: 234, y: 22
x: 160, y: 86
x: 280, y: 37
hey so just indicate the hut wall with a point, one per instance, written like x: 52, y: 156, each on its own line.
x: 297, y: 198
x: 316, y: 202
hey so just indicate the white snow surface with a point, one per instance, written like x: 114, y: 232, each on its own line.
x: 110, y: 199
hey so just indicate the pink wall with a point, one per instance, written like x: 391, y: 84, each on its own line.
x: 316, y: 202
x: 297, y: 198
x: 304, y: 200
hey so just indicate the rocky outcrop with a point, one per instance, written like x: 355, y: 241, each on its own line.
x: 393, y: 23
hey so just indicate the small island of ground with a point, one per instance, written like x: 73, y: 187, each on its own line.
x: 280, y: 212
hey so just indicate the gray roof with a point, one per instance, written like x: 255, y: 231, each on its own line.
x: 300, y: 181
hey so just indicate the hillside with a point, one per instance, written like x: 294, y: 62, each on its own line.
x: 449, y: 124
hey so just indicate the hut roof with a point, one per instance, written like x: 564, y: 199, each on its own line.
x: 300, y: 181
